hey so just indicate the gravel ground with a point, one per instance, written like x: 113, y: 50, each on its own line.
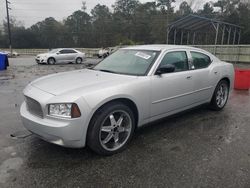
x: 199, y: 148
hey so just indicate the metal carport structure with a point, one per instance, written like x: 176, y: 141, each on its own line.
x: 192, y: 25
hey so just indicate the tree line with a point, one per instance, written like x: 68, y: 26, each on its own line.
x: 129, y: 22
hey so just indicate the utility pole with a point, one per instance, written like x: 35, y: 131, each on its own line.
x: 8, y: 22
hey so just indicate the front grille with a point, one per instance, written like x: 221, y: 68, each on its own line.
x: 34, y: 107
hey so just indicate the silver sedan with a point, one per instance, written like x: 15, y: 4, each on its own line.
x: 61, y: 55
x: 101, y: 107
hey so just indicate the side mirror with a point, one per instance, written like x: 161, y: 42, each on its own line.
x: 57, y: 53
x: 168, y: 68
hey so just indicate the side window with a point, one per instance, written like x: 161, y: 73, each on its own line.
x: 200, y: 60
x: 63, y: 52
x: 71, y: 51
x: 178, y: 59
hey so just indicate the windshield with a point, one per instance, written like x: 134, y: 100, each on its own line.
x: 53, y: 51
x: 131, y: 62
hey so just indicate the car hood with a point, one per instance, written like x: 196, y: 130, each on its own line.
x: 61, y: 83
x: 42, y: 55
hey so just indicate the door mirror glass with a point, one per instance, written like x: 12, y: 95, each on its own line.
x: 168, y: 68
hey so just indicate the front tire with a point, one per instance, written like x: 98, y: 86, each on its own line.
x: 105, y: 55
x: 51, y: 61
x: 111, y: 129
x: 220, y: 96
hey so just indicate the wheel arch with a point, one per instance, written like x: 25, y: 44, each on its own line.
x: 78, y: 57
x: 126, y: 101
x: 51, y: 57
x: 227, y: 80
x: 223, y: 78
x: 212, y: 100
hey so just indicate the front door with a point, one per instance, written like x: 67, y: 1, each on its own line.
x: 172, y: 91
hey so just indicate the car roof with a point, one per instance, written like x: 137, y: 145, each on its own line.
x: 64, y: 49
x: 159, y: 47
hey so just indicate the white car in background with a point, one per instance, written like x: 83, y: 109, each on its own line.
x: 104, y: 52
x: 9, y: 54
x: 61, y: 55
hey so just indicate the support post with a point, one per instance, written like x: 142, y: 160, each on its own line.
x: 175, y: 36
x: 235, y: 30
x: 193, y: 38
x: 167, y: 33
x: 216, y: 37
x: 181, y: 36
x: 187, y: 37
x: 239, y: 37
x: 229, y: 33
x: 8, y: 22
x: 223, y: 35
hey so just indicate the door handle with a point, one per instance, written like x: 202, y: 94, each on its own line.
x: 189, y: 77
x: 215, y: 72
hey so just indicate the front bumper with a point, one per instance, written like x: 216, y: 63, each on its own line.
x: 63, y: 132
x: 41, y: 60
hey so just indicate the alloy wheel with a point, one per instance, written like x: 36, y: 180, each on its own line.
x: 51, y: 61
x: 78, y: 60
x: 222, y: 95
x: 115, y: 130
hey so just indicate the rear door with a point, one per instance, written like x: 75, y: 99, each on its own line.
x: 202, y: 73
x: 71, y: 54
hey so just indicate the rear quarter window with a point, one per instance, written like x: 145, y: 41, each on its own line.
x: 200, y: 60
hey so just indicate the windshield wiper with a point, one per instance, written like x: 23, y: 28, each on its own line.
x: 103, y: 70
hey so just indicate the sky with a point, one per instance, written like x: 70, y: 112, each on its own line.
x: 30, y: 12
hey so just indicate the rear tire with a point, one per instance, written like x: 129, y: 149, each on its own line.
x: 78, y: 60
x: 220, y: 96
x: 111, y: 129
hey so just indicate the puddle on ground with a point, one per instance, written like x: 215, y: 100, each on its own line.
x: 6, y: 77
x: 176, y: 149
x: 10, y: 150
x: 242, y: 92
x: 12, y: 164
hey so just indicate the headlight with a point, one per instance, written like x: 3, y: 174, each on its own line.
x: 67, y: 110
